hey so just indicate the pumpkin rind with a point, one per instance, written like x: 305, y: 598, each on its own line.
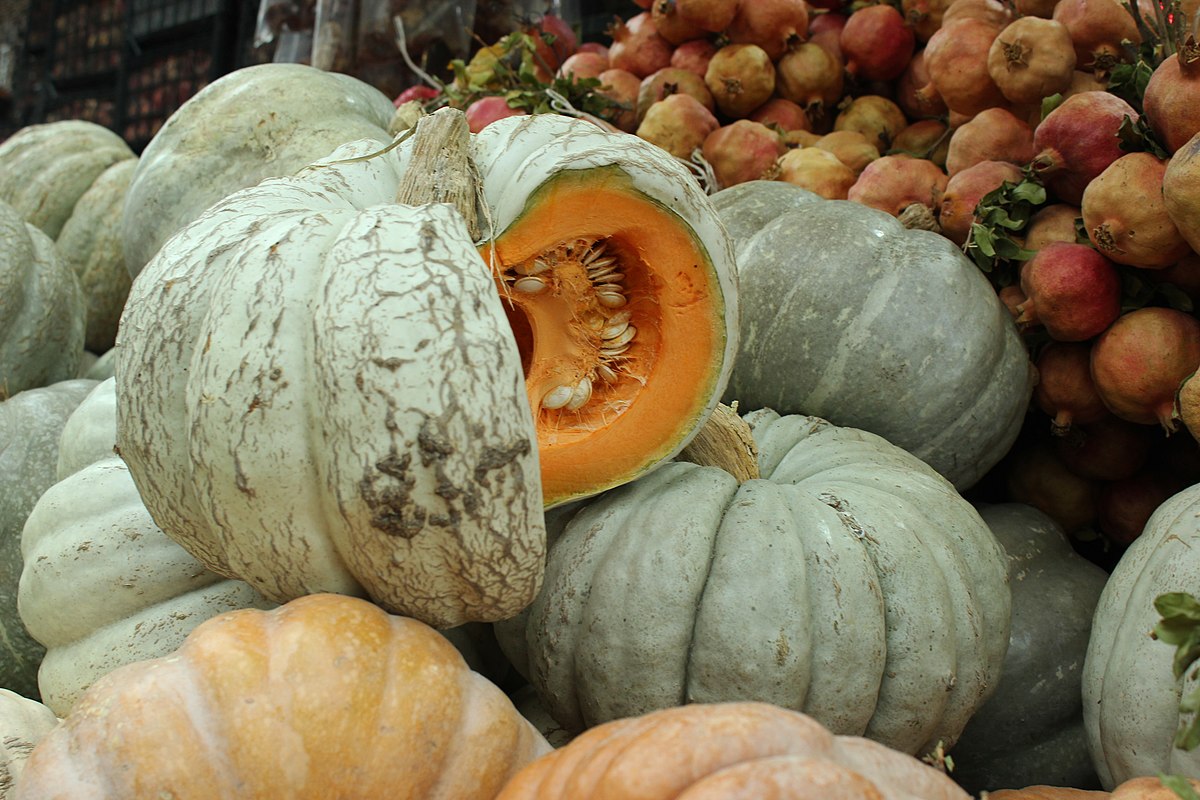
x: 326, y: 696
x: 314, y: 394
x: 848, y: 316
x: 1130, y: 695
x: 257, y: 122
x: 726, y: 750
x: 851, y: 583
x: 1031, y: 730
x: 41, y: 309
x: 30, y: 425
x: 23, y: 723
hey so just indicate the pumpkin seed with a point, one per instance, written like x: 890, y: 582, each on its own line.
x: 614, y: 329
x: 611, y: 299
x: 606, y: 373
x: 535, y: 267
x: 530, y: 284
x: 623, y: 337
x: 594, y: 253
x: 558, y: 397
x: 580, y: 395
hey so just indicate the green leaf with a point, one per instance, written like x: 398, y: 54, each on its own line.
x: 1050, y: 103
x: 1179, y: 785
x: 1180, y: 626
x: 1136, y: 136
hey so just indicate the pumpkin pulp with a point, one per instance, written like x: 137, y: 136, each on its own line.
x: 617, y: 311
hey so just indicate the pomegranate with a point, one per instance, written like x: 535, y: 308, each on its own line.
x: 773, y: 25
x: 593, y: 47
x: 1073, y: 291
x: 1108, y: 449
x: 1183, y: 276
x: 622, y: 87
x: 637, y: 46
x: 1034, y: 8
x: 851, y: 147
x: 1187, y: 405
x: 672, y: 80
x: 877, y: 43
x: 1126, y: 217
x: 679, y: 124
x: 810, y: 77
x: 1032, y: 58
x: 925, y: 138
x: 741, y: 78
x: 875, y: 117
x: 1097, y: 29
x: 782, y: 114
x: 671, y: 26
x: 1051, y: 223
x: 994, y: 12
x: 893, y: 183
x: 1139, y: 362
x: 818, y: 171
x: 956, y: 57
x: 994, y: 134
x: 826, y: 30
x: 583, y: 65
x: 963, y: 192
x: 1064, y: 390
x: 742, y: 151
x: 420, y: 92
x: 486, y: 110
x: 694, y: 56
x: 1181, y: 191
x: 1012, y: 297
x: 1085, y: 82
x: 1124, y: 506
x: 1170, y: 101
x: 916, y: 105
x: 925, y: 16
x: 1036, y: 476
x: 713, y: 16
x: 1077, y: 141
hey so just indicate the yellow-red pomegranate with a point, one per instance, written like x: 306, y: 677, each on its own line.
x: 852, y: 148
x: 1126, y: 215
x: 893, y: 183
x: 1140, y: 361
x: 711, y: 15
x: 1097, y: 29
x: 877, y: 43
x: 965, y: 189
x: 1051, y: 223
x: 773, y: 25
x: 1071, y: 290
x: 782, y: 114
x: 994, y: 134
x: 925, y: 16
x: 1172, y: 98
x: 584, y: 64
x: 694, y: 55
x: 622, y: 87
x: 994, y: 12
x: 1064, y: 389
x: 741, y: 78
x: 678, y: 124
x: 742, y: 151
x: 1031, y: 58
x: 1181, y: 191
x: 1108, y: 449
x: 956, y: 57
x: 925, y: 138
x: 877, y: 118
x: 811, y: 77
x: 672, y: 80
x: 924, y: 105
x: 1077, y: 141
x: 818, y: 171
x: 637, y: 46
x: 1038, y: 477
x: 671, y: 26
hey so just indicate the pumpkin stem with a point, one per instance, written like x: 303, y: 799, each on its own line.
x: 441, y: 169
x: 725, y: 441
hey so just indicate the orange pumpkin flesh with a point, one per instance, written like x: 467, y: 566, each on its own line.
x: 602, y: 254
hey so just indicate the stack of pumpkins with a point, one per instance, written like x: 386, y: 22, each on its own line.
x: 470, y: 383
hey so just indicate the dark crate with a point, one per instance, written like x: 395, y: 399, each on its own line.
x: 94, y: 104
x: 160, y: 17
x: 87, y: 40
x: 157, y: 82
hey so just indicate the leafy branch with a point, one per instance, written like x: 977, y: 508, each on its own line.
x: 1000, y: 217
x: 1180, y: 627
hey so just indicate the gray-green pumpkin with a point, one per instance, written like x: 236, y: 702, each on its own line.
x: 849, y: 316
x: 30, y: 425
x: 850, y: 581
x: 1031, y: 730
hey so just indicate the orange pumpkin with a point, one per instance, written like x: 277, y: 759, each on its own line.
x: 719, y: 751
x: 1145, y: 788
x: 325, y: 697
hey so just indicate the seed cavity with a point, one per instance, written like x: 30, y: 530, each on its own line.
x: 530, y: 284
x: 535, y: 267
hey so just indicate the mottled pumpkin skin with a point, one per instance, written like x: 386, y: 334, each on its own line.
x: 1031, y: 730
x: 848, y: 316
x: 328, y: 696
x: 1130, y: 695
x: 724, y: 750
x: 30, y: 425
x: 851, y: 582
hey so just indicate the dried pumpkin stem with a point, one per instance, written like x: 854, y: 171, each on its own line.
x: 441, y: 169
x: 725, y: 441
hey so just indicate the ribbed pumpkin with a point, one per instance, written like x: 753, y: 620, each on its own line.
x: 1031, y: 730
x: 89, y: 535
x: 258, y: 122
x: 320, y: 389
x: 1130, y: 695
x: 328, y: 696
x: 41, y: 309
x: 850, y: 582
x: 23, y: 723
x: 726, y: 750
x: 30, y: 426
x: 850, y: 317
x: 69, y: 179
x: 1145, y: 788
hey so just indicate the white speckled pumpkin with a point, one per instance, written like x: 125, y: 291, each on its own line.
x: 41, y: 309
x: 23, y: 723
x: 850, y: 582
x: 30, y: 425
x: 257, y: 122
x: 1130, y: 694
x: 848, y: 316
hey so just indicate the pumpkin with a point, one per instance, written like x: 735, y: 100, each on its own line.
x: 23, y: 723
x: 726, y: 750
x: 850, y: 582
x: 89, y: 535
x: 257, y: 122
x: 327, y: 696
x: 1145, y: 788
x: 320, y: 389
x: 41, y: 309
x: 1130, y: 694
x: 30, y: 425
x: 851, y: 317
x: 1031, y: 730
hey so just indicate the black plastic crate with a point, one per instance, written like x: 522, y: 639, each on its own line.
x: 157, y: 18
x: 158, y: 81
x: 88, y: 40
x: 93, y: 103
